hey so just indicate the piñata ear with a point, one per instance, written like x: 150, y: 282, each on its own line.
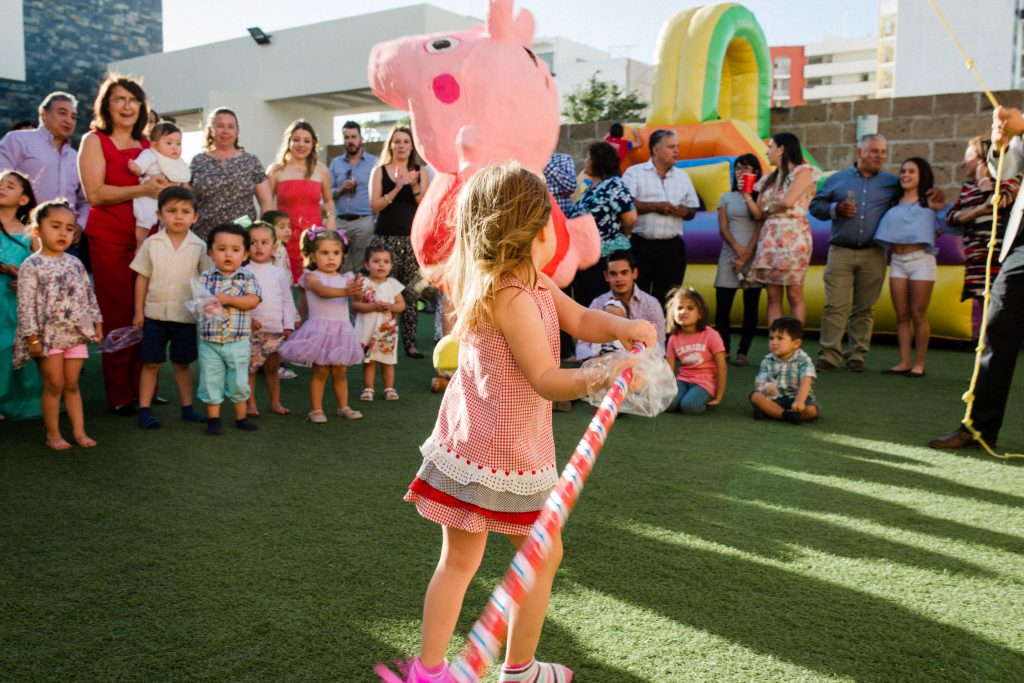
x: 523, y: 27
x: 499, y: 19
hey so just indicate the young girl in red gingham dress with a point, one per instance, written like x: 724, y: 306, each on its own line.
x: 489, y: 464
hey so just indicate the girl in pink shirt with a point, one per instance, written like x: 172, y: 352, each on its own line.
x: 699, y: 350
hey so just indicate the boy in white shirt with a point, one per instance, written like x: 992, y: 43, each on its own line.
x: 166, y: 264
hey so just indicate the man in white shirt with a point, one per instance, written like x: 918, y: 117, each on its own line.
x: 664, y: 197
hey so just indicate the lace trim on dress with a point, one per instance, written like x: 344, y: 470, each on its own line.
x: 467, y: 471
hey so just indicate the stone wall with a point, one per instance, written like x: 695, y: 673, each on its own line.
x: 68, y: 45
x: 935, y: 127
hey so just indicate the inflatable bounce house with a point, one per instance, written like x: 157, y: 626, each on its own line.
x: 712, y: 87
x: 481, y: 96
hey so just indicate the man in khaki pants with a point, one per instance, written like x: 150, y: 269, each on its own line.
x: 855, y: 200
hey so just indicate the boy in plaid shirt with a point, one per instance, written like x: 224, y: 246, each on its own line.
x: 224, y: 344
x: 782, y: 388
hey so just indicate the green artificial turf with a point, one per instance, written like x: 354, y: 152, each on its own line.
x: 709, y: 548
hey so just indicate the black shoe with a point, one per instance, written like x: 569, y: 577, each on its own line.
x: 792, y: 417
x: 855, y: 366
x: 213, y: 427
x: 413, y: 352
x: 160, y: 401
x: 147, y: 420
x: 246, y: 425
x: 127, y: 410
x: 759, y: 414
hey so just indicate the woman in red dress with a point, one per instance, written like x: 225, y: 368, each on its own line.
x: 120, y: 115
x: 301, y: 186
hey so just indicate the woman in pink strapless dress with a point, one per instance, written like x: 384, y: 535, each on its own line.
x: 302, y: 187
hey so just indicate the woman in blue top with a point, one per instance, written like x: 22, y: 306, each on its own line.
x: 611, y: 205
x: 909, y: 229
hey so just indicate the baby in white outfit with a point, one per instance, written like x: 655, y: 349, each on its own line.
x: 162, y: 158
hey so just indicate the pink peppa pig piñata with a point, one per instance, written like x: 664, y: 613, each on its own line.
x: 478, y: 97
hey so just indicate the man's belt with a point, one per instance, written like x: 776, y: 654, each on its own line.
x: 350, y: 216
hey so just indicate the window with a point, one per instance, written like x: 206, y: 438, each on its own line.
x: 549, y: 59
x: 889, y: 25
x: 782, y: 66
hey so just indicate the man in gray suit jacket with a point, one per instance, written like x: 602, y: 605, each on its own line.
x: 1005, y: 333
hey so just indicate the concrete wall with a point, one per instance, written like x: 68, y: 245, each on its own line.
x: 934, y: 127
x: 328, y: 57
x: 67, y: 46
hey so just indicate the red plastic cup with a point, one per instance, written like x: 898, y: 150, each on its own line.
x: 748, y: 182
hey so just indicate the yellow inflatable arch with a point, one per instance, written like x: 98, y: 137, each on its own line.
x: 713, y: 64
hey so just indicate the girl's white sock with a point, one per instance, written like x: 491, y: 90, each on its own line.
x: 535, y: 672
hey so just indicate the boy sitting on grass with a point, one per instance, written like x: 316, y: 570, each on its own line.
x: 783, y: 384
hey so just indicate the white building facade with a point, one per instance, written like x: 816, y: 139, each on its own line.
x: 841, y: 70
x: 926, y: 61
x: 318, y: 72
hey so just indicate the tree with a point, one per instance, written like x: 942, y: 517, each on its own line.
x: 601, y: 101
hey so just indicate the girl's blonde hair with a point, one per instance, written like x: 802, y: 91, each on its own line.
x: 314, y: 236
x: 283, y: 153
x: 499, y: 213
x: 677, y: 296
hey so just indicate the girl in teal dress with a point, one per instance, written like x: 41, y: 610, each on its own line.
x: 19, y: 389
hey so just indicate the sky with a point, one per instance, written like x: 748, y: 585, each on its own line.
x: 599, y: 23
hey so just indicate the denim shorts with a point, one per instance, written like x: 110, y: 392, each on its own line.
x: 157, y: 334
x: 915, y: 265
x: 786, y: 402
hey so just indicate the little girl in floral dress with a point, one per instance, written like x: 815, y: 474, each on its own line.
x: 57, y: 318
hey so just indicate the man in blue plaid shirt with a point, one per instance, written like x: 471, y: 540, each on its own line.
x: 224, y: 351
x: 783, y: 386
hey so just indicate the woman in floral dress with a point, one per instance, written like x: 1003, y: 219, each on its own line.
x: 784, y: 246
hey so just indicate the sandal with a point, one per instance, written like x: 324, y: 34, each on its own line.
x: 349, y: 414
x: 316, y: 417
x: 390, y: 394
x: 367, y: 394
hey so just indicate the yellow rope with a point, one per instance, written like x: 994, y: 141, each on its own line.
x: 968, y: 397
x: 967, y: 59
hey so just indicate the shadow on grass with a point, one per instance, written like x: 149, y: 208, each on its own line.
x: 774, y: 533
x: 821, y: 498
x: 859, y: 449
x: 806, y: 621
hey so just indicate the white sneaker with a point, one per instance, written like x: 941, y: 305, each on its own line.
x: 285, y: 373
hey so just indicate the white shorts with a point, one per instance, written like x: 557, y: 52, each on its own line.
x: 916, y: 265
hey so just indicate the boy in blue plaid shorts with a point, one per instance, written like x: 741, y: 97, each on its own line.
x: 782, y: 388
x: 224, y: 344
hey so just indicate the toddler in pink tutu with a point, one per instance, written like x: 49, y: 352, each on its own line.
x: 327, y: 339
